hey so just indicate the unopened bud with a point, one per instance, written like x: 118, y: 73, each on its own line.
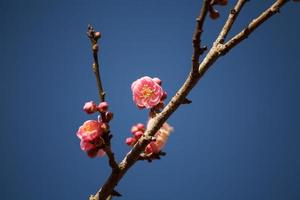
x: 95, y: 47
x: 221, y: 2
x: 103, y: 107
x: 97, y: 35
x: 164, y: 96
x: 134, y: 129
x: 109, y: 116
x: 138, y: 134
x: 214, y: 14
x: 130, y: 141
x: 90, y: 107
x: 141, y: 127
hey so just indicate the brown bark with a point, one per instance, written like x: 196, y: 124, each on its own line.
x: 218, y: 49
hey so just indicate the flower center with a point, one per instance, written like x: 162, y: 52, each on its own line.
x: 146, y: 91
x: 89, y: 128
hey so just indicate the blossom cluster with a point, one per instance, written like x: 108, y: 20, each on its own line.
x: 147, y: 93
x: 155, y: 146
x: 93, y: 132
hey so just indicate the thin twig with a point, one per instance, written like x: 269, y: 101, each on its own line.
x: 231, y: 18
x: 94, y: 37
x: 253, y: 25
x: 111, y: 158
x: 214, y: 53
x: 95, y: 48
x: 198, y: 50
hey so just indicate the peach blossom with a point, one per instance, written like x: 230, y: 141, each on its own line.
x: 146, y: 92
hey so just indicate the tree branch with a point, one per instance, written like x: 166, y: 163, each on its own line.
x: 111, y: 158
x: 253, y: 25
x: 215, y: 52
x: 231, y: 18
x: 94, y: 36
x: 198, y: 50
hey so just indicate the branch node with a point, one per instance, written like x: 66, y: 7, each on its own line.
x: 116, y: 193
x: 233, y: 11
x: 186, y: 101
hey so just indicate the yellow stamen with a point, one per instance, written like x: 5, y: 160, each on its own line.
x: 146, y: 91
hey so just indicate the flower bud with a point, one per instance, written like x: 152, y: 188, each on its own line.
x: 221, y: 2
x: 103, y: 107
x: 130, y: 141
x: 95, y: 47
x: 97, y: 35
x: 157, y: 80
x: 134, y: 129
x: 138, y: 134
x: 164, y: 96
x: 109, y: 116
x: 140, y: 126
x: 90, y: 107
x: 214, y: 14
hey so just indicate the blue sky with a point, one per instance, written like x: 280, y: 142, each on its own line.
x: 239, y: 139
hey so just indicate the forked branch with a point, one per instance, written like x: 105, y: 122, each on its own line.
x: 215, y: 52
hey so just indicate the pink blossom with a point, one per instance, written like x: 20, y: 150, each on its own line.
x: 90, y: 130
x: 161, y: 138
x: 90, y: 107
x: 90, y: 135
x: 146, y: 92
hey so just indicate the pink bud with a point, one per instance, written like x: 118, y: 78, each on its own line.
x: 138, y: 134
x: 140, y: 126
x: 148, y: 149
x: 103, y: 107
x: 97, y: 35
x: 109, y: 116
x: 164, y: 96
x: 90, y: 107
x: 134, y: 129
x: 214, y: 14
x: 157, y: 80
x: 130, y: 141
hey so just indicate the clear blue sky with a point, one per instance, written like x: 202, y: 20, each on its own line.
x: 239, y: 139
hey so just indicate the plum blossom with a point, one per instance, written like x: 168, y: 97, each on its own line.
x: 146, y: 92
x: 90, y: 135
x: 161, y: 136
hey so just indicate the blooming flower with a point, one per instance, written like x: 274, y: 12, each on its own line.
x: 90, y: 107
x: 90, y: 135
x: 146, y: 92
x: 161, y: 139
x: 161, y: 136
